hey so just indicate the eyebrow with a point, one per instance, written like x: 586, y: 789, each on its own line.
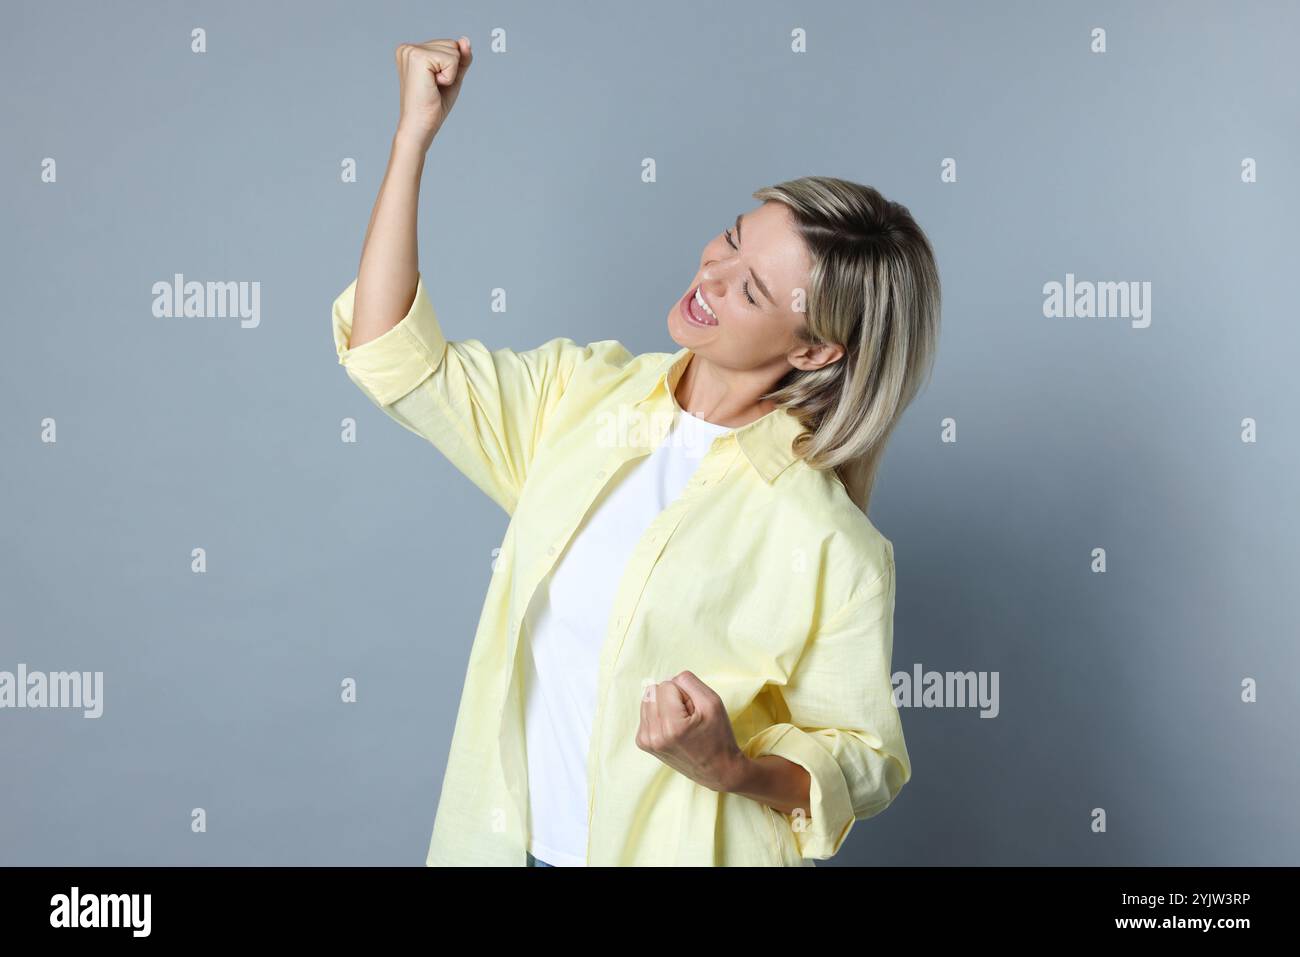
x: 761, y: 285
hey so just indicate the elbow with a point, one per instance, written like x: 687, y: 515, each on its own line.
x: 879, y: 791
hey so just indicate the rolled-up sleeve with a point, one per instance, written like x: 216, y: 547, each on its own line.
x: 844, y: 728
x: 484, y: 409
x: 389, y: 366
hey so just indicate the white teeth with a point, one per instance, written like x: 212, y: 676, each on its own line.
x: 704, y: 305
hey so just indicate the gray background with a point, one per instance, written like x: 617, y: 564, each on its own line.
x: 328, y: 560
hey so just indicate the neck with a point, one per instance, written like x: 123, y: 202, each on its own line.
x: 723, y: 396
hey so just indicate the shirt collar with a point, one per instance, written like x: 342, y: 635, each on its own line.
x: 766, y: 442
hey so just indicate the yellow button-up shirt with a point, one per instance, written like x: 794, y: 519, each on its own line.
x: 762, y: 578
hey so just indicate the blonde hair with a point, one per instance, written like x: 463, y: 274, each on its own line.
x: 874, y: 289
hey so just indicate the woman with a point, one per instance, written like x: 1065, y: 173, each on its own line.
x: 684, y: 654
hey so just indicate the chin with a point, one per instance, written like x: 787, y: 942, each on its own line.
x: 684, y: 334
x: 674, y: 328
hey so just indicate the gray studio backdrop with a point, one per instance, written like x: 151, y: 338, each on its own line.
x: 1145, y: 714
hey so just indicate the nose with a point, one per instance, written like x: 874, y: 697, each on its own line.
x: 713, y: 277
x: 713, y: 270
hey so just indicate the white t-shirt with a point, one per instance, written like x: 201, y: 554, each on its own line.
x: 565, y: 627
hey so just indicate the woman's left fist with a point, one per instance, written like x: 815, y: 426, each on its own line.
x: 685, y: 725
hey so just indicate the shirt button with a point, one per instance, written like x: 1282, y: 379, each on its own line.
x: 551, y: 550
x: 600, y: 474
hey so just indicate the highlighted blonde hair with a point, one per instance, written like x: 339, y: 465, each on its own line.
x: 874, y: 289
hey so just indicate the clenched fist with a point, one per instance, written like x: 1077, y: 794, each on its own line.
x: 685, y: 725
x: 431, y: 74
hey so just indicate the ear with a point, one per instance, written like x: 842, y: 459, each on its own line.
x: 809, y: 357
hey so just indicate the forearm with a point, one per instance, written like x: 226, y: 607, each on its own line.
x: 389, y: 267
x: 774, y: 781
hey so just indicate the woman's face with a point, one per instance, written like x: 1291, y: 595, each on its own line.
x: 748, y: 277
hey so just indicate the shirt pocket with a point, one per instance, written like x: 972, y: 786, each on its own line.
x: 782, y: 840
x: 767, y: 842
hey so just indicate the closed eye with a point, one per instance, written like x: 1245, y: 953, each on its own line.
x: 745, y: 285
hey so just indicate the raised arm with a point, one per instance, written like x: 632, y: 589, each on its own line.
x: 485, y: 410
x: 430, y: 75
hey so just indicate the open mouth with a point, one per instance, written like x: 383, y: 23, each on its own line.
x: 696, y: 310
